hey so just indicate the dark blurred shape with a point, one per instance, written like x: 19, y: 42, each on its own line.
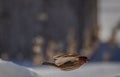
x: 5, y: 56
x: 66, y: 26
x: 108, y: 51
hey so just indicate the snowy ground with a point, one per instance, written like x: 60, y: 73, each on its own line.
x: 9, y: 69
x: 88, y: 70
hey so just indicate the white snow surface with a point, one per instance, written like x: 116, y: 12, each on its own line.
x: 9, y: 69
x: 88, y: 70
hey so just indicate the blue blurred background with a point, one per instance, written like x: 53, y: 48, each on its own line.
x: 33, y: 31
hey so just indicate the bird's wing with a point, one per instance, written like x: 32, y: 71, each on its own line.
x: 68, y: 66
x: 62, y: 60
x: 49, y: 64
x: 56, y: 57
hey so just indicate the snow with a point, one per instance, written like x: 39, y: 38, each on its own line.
x: 9, y: 69
x: 88, y: 70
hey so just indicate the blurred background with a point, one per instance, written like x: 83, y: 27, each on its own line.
x: 32, y: 31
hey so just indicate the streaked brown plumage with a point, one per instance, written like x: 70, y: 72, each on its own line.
x: 68, y: 62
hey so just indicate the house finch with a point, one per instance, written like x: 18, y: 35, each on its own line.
x: 68, y: 62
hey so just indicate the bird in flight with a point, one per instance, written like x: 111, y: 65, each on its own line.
x: 68, y: 62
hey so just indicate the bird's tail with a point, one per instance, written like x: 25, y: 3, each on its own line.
x: 50, y: 64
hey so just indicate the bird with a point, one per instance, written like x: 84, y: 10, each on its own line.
x: 67, y: 62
